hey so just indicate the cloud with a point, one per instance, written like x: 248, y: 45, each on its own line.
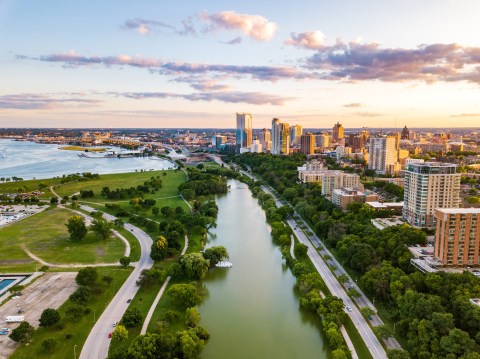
x: 254, y: 98
x: 28, y: 101
x: 255, y: 26
x: 353, y: 104
x: 265, y: 73
x: 369, y: 114
x: 429, y: 63
x: 234, y: 41
x: 467, y: 115
x: 312, y: 40
x: 146, y: 26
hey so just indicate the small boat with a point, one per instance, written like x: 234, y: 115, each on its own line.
x: 224, y: 264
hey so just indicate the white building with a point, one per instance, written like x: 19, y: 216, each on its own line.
x: 256, y: 147
x: 428, y: 186
x: 384, y: 155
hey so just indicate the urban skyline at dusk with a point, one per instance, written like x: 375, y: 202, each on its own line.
x: 148, y: 64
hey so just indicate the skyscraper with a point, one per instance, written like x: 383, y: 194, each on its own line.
x: 265, y: 139
x: 428, y: 186
x: 337, y: 132
x: 383, y: 155
x: 280, y: 137
x: 307, y: 143
x: 295, y: 132
x: 244, y: 130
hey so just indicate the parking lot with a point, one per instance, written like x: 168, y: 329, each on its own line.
x: 49, y: 291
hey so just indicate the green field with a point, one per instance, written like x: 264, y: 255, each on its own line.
x: 30, y: 185
x: 73, y: 333
x: 46, y: 236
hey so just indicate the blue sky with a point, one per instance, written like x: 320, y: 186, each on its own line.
x: 161, y: 64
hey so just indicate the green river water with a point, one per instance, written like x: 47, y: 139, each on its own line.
x: 252, y: 310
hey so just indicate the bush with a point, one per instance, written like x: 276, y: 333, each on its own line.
x: 49, y: 317
x: 86, y: 276
x: 49, y: 345
x: 22, y: 333
x: 82, y: 295
x: 132, y: 318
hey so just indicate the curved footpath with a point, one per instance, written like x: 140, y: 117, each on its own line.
x: 97, y: 343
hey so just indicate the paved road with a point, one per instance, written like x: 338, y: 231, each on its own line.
x: 97, y: 343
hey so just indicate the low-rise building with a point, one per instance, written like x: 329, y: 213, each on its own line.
x: 342, y: 197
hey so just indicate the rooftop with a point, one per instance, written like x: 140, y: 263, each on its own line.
x: 459, y: 210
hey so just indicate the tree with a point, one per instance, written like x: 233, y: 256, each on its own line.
x: 86, y: 276
x: 54, y: 200
x: 339, y: 354
x: 101, y: 228
x: 367, y: 312
x: 194, y: 265
x: 132, y: 318
x: 159, y: 248
x: 82, y: 295
x: 457, y: 342
x: 184, y: 295
x: 125, y: 261
x: 76, y: 311
x: 192, y: 317
x: 344, y: 278
x: 76, y: 228
x: 120, y: 333
x: 49, y: 344
x: 300, y: 250
x: 215, y: 254
x: 118, y: 222
x: 382, y: 332
x: 23, y: 333
x: 167, y: 211
x: 397, y: 354
x: 49, y: 317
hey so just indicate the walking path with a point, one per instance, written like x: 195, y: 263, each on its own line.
x: 292, y: 246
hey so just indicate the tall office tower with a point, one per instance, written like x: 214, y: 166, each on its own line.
x: 244, y: 130
x: 337, y: 132
x: 405, y: 133
x: 429, y: 186
x: 307, y: 144
x: 265, y: 139
x: 280, y: 137
x: 296, y: 132
x: 322, y: 141
x: 457, y: 236
x: 383, y: 155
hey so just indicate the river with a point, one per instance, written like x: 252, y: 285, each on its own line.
x: 29, y: 160
x: 252, y: 310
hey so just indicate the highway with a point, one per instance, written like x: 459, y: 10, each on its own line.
x: 97, y: 343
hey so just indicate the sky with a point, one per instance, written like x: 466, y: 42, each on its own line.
x: 167, y: 64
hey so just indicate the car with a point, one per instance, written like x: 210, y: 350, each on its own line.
x: 109, y: 335
x: 114, y: 324
x: 128, y: 301
x: 3, y: 333
x: 5, y: 330
x: 349, y: 309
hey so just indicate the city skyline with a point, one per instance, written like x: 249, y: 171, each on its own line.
x: 151, y: 65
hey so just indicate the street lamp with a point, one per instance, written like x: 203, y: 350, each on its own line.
x: 75, y: 351
x: 94, y: 311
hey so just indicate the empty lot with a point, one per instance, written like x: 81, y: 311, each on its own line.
x: 49, y: 291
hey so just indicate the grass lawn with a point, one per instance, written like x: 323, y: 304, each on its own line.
x: 74, y: 333
x: 46, y: 236
x: 125, y: 180
x: 356, y: 338
x: 80, y: 148
x: 134, y: 245
x: 30, y: 185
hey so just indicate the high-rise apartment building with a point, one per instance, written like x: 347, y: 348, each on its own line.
x: 244, y: 130
x: 384, y: 155
x: 322, y: 141
x: 307, y: 144
x: 337, y: 132
x: 265, y: 139
x: 296, y: 132
x: 280, y: 137
x: 429, y: 186
x: 332, y: 180
x: 457, y: 236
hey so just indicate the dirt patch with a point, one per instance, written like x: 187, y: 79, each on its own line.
x: 49, y: 291
x: 99, y: 251
x: 15, y: 261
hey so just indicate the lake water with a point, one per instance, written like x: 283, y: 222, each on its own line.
x: 30, y: 160
x: 252, y: 310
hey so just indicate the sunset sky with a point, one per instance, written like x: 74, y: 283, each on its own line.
x: 195, y: 63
